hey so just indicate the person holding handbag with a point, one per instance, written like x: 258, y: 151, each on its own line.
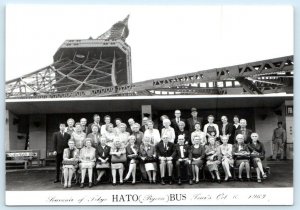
x: 87, y: 161
x: 118, y: 159
x: 132, y: 151
x: 70, y: 162
x: 241, y: 156
x: 213, y: 158
x: 148, y: 157
x: 103, y: 159
x: 257, y: 154
x: 225, y: 151
x: 94, y: 136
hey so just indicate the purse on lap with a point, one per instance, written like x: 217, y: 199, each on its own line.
x: 118, y: 159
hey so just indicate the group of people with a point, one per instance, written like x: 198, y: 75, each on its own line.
x: 176, y: 143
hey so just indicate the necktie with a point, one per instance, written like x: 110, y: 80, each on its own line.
x: 165, y: 146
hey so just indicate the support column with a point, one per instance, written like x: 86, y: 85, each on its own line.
x: 37, y: 133
x: 146, y: 111
x: 289, y: 112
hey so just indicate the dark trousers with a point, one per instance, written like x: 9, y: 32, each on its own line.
x: 183, y: 165
x: 58, y: 160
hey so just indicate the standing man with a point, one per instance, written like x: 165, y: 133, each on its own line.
x: 193, y: 120
x: 226, y: 129
x: 176, y: 120
x: 96, y: 118
x: 83, y: 123
x: 279, y: 141
x: 165, y: 151
x: 144, y: 124
x: 244, y: 131
x: 131, y: 122
x: 60, y: 142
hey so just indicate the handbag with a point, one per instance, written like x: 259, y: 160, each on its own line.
x: 102, y: 165
x: 118, y: 159
x: 70, y: 162
x: 150, y: 160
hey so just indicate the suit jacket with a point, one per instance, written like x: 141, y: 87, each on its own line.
x: 161, y: 152
x: 102, y: 153
x: 186, y: 151
x: 186, y: 134
x: 248, y: 139
x: 149, y: 152
x: 228, y: 130
x: 259, y: 147
x: 60, y: 142
x: 89, y: 129
x: 175, y: 125
x: 191, y: 124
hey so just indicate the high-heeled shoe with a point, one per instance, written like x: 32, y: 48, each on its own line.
x: 81, y: 185
x: 241, y: 179
x: 121, y: 183
x: 219, y: 181
x: 90, y: 184
x: 114, y: 184
x: 259, y: 180
x: 264, y: 176
x: 197, y: 181
x: 133, y: 182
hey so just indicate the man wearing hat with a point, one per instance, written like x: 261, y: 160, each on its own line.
x: 193, y: 120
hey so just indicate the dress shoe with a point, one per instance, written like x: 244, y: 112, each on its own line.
x: 90, y: 184
x: 81, y: 185
x: 179, y: 181
x: 171, y: 182
x: 56, y: 180
x: 264, y: 176
x: 69, y: 185
x: 241, y: 180
x: 191, y: 182
x: 219, y: 181
x: 65, y: 186
x: 97, y: 182
x: 248, y: 179
x: 150, y: 182
x: 121, y: 183
x: 125, y: 180
x: 154, y: 181
x: 114, y: 184
x: 259, y: 180
x: 162, y: 182
x: 133, y: 182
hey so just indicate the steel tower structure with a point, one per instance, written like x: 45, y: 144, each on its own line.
x: 102, y: 67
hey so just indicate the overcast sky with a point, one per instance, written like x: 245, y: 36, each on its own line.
x: 165, y: 40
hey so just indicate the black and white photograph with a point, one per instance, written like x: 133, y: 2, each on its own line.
x: 149, y: 104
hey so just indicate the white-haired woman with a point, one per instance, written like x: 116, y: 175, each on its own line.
x: 198, y: 132
x: 257, y: 151
x: 241, y: 156
x: 78, y: 136
x: 87, y: 161
x: 109, y: 134
x: 213, y: 158
x: 118, y: 159
x: 123, y: 135
x: 70, y: 162
x: 132, y: 152
x: 225, y: 151
x: 168, y: 130
x: 148, y: 157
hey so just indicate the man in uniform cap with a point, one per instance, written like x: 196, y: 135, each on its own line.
x: 193, y: 120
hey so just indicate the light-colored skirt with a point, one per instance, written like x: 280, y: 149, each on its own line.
x: 151, y: 166
x: 117, y: 166
x: 198, y: 163
x: 230, y: 160
x: 85, y: 165
x: 238, y: 162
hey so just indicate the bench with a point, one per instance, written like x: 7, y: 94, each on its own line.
x: 26, y: 157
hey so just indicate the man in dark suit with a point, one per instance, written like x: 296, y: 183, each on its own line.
x: 144, y: 124
x: 176, y: 120
x: 193, y: 120
x: 182, y: 159
x: 182, y: 131
x: 165, y: 151
x: 60, y: 142
x: 96, y: 118
x: 102, y: 157
x: 226, y: 129
x: 244, y: 131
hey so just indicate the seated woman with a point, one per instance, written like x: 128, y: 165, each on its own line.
x: 103, y: 158
x: 78, y: 136
x: 109, y: 134
x: 87, y: 161
x: 241, y: 156
x: 257, y: 151
x: 118, y: 158
x: 211, y: 129
x: 225, y: 151
x: 70, y: 155
x: 132, y: 151
x: 197, y: 132
x: 94, y: 136
x: 212, y: 158
x: 196, y: 156
x: 148, y: 157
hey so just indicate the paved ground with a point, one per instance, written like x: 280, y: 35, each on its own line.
x: 42, y: 179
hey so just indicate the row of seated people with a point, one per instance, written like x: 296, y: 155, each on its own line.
x: 165, y: 154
